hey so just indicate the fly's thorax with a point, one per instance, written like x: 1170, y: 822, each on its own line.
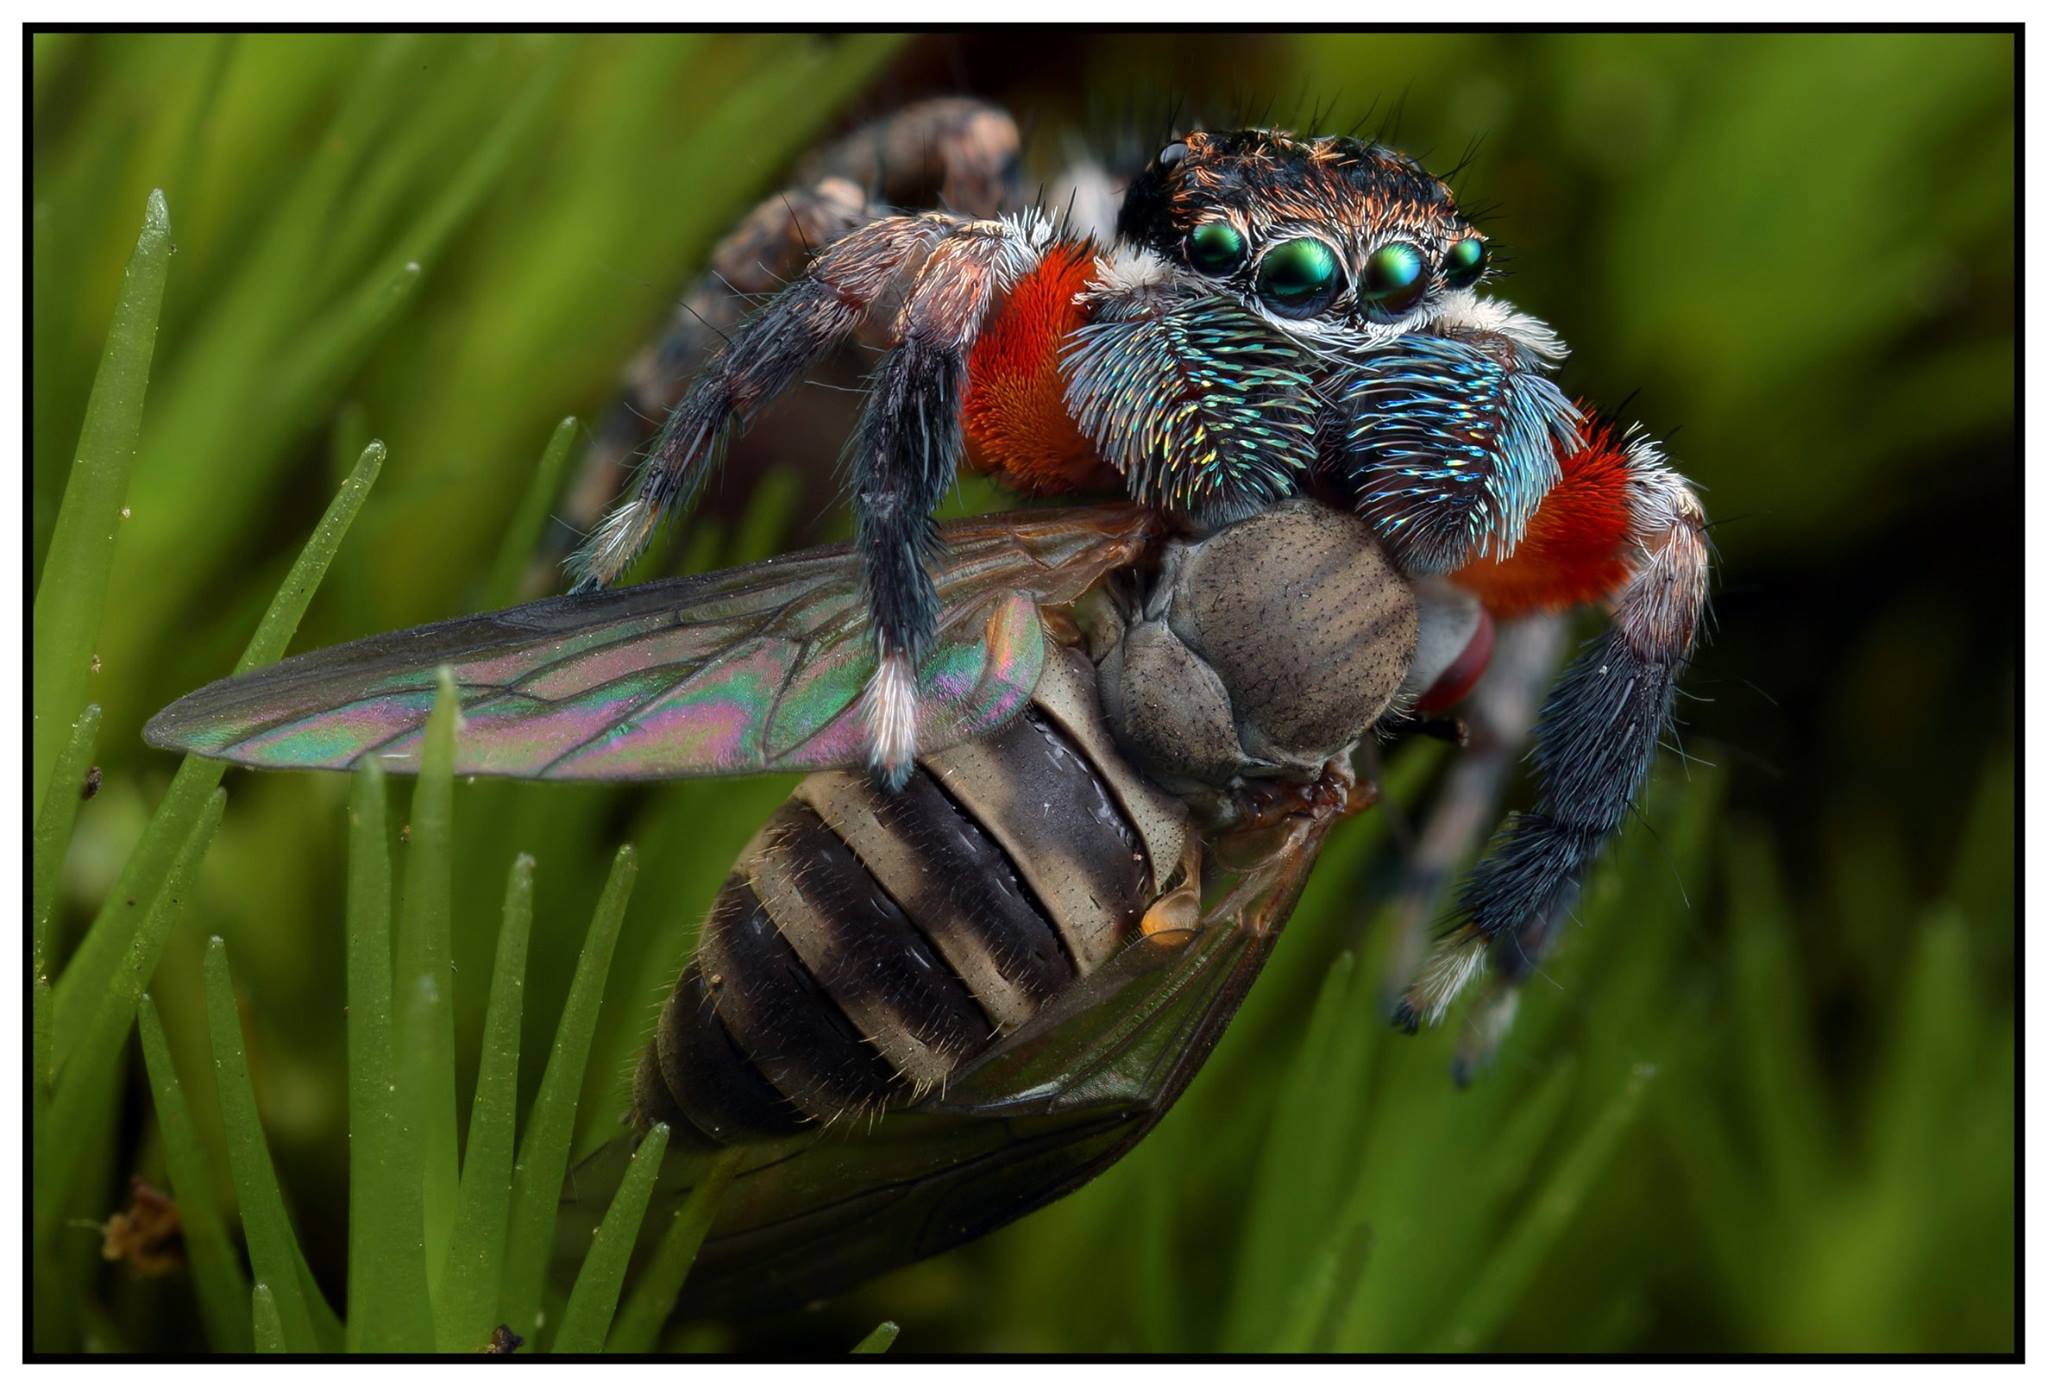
x: 1262, y: 650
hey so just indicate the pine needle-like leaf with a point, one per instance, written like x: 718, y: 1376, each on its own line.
x: 638, y: 1327
x: 596, y: 1292
x: 268, y: 1328
x: 387, y: 1266
x: 544, y: 1151
x: 86, y: 976
x: 466, y: 1309
x: 217, y: 1274
x: 423, y: 998
x: 72, y: 593
x: 273, y: 1246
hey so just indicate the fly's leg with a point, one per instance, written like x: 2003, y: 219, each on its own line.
x: 1498, y: 715
x: 958, y: 151
x: 1593, y: 746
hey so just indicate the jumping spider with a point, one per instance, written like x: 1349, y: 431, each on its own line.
x: 1271, y: 316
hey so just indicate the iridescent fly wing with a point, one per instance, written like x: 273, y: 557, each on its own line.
x: 753, y: 669
x: 1041, y: 1113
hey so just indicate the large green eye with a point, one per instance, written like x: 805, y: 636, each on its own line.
x: 1215, y: 248
x: 1394, y: 281
x: 1297, y: 279
x: 1464, y: 262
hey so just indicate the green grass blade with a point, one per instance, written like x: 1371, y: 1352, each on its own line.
x: 544, y: 1150
x: 53, y: 828
x: 879, y: 1338
x: 466, y: 1310
x: 522, y: 536
x: 217, y: 1275
x: 52, y: 837
x: 596, y: 1293
x: 647, y: 1309
x: 273, y: 1247
x: 72, y: 592
x: 83, y: 1082
x: 85, y: 978
x: 267, y: 1329
x: 425, y: 1072
x: 1497, y: 1286
x: 387, y: 1265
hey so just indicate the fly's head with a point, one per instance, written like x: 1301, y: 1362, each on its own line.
x: 1339, y: 243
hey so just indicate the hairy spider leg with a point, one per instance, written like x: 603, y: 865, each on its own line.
x: 957, y: 150
x: 907, y: 451
x: 767, y: 355
x: 1623, y: 513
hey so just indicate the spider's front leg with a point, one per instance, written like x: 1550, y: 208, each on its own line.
x: 907, y: 451
x: 953, y: 152
x: 764, y: 357
x: 1623, y: 528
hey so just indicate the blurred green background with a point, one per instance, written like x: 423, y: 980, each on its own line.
x: 1763, y: 1097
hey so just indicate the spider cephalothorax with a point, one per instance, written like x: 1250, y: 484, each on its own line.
x: 1272, y: 317
x: 1335, y: 241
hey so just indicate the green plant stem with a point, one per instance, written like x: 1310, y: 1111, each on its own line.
x: 216, y: 1269
x: 467, y: 1308
x: 72, y: 593
x: 596, y: 1292
x: 86, y: 976
x: 267, y: 1329
x: 425, y: 1059
x: 544, y: 1151
x: 879, y: 1338
x: 522, y: 536
x: 653, y: 1300
x: 387, y: 1266
x: 52, y: 837
x: 273, y: 1247
x: 83, y: 1083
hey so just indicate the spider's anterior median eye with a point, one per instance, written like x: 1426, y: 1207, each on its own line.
x: 1464, y: 262
x: 1297, y: 279
x: 1394, y: 281
x: 1215, y: 248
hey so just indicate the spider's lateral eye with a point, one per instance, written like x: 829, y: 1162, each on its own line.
x: 1464, y: 262
x: 1298, y: 278
x: 1394, y: 281
x: 1215, y: 248
x: 1171, y: 155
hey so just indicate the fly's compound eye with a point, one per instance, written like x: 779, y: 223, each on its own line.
x: 1464, y: 262
x: 1299, y: 278
x: 1215, y: 248
x: 1394, y: 281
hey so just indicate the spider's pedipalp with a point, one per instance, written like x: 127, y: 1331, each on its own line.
x: 1450, y: 443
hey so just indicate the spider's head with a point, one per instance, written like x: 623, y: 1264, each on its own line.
x: 1329, y: 239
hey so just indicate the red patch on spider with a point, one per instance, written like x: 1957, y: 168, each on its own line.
x: 1015, y: 415
x: 1577, y: 546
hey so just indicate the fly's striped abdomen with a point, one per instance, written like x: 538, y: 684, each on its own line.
x: 867, y: 944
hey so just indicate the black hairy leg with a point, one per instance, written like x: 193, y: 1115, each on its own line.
x: 765, y: 356
x: 1594, y: 743
x: 953, y: 153
x: 906, y: 453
